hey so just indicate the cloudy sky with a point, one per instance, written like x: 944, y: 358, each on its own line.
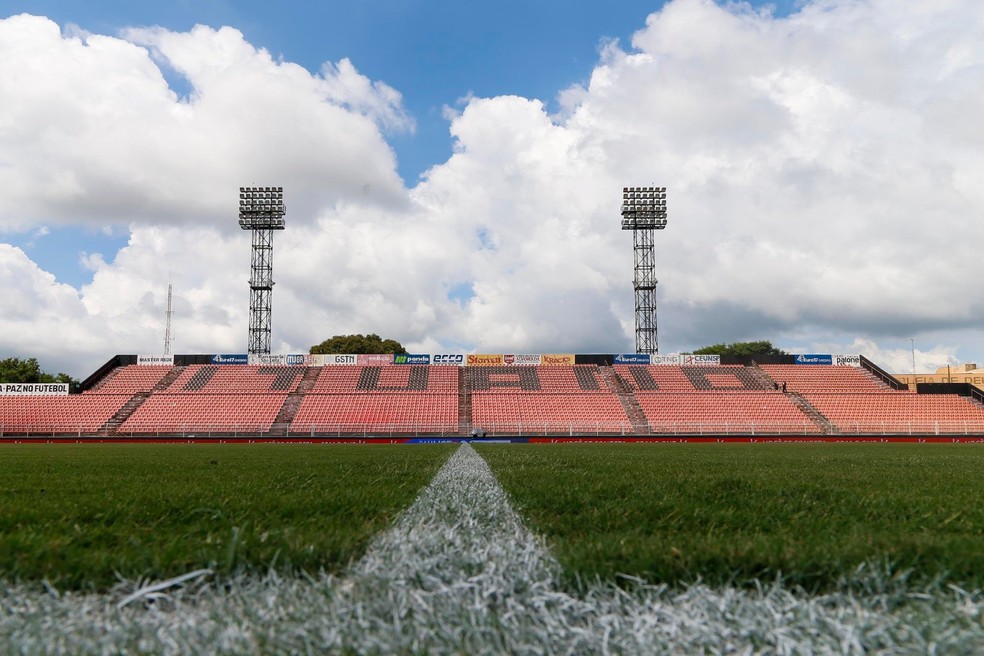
x: 453, y: 174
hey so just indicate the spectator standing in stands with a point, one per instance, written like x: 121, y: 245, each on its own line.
x: 783, y: 387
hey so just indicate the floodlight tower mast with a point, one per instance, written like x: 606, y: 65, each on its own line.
x: 261, y: 210
x: 644, y: 211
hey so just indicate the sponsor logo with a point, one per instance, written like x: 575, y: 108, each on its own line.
x: 155, y: 359
x: 814, y: 358
x: 266, y: 360
x: 508, y: 359
x: 341, y: 359
x: 847, y: 360
x: 665, y: 359
x: 411, y: 358
x: 701, y: 360
x: 558, y: 359
x: 294, y: 359
x: 374, y: 359
x: 484, y: 359
x: 451, y: 359
x: 633, y: 358
x: 238, y: 358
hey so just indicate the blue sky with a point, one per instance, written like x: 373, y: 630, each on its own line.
x: 822, y: 158
x: 434, y: 52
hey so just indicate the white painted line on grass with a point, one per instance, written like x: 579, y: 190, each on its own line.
x: 460, y: 573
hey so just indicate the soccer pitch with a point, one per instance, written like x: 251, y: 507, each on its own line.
x: 85, y: 516
x: 740, y: 513
x: 459, y: 570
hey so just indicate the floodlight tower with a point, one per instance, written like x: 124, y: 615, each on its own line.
x: 644, y: 211
x: 261, y: 210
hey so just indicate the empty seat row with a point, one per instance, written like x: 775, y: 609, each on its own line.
x: 131, y: 379
x: 736, y: 412
x: 674, y: 378
x: 899, y: 412
x: 824, y: 378
x: 55, y: 414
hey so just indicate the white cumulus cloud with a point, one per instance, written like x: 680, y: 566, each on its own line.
x: 822, y: 171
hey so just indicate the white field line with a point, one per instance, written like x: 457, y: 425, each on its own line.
x: 460, y: 573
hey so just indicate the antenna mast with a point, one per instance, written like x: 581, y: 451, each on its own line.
x: 167, y: 329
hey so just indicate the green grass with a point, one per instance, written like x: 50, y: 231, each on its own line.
x: 78, y: 515
x: 734, y: 513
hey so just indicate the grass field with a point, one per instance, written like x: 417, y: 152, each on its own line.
x: 79, y: 515
x: 733, y: 513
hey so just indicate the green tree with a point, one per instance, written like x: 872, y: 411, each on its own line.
x: 27, y: 370
x: 358, y: 344
x: 741, y: 349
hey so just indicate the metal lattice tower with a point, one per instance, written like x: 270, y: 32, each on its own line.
x: 643, y: 211
x: 261, y: 210
x: 167, y: 329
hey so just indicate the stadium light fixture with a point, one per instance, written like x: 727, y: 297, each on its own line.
x: 643, y: 211
x: 261, y: 211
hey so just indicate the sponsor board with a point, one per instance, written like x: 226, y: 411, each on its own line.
x: 634, y: 358
x: 33, y: 389
x: 484, y: 360
x: 230, y: 358
x: 294, y: 359
x: 701, y: 360
x: 847, y: 360
x: 454, y: 359
x: 265, y: 360
x: 524, y: 359
x: 374, y: 359
x: 814, y: 358
x: 155, y: 359
x: 666, y: 359
x: 333, y: 359
x: 411, y: 358
x: 557, y: 359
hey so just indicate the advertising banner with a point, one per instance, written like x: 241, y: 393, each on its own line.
x: 454, y: 359
x: 411, y: 358
x: 484, y: 360
x: 815, y: 358
x: 332, y: 359
x: 374, y: 359
x: 525, y: 359
x: 847, y: 360
x: 557, y: 359
x: 666, y: 359
x: 701, y: 360
x: 634, y: 358
x: 33, y: 389
x: 227, y: 358
x: 271, y: 360
x: 155, y: 359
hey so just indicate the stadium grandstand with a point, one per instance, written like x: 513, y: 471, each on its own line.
x: 511, y: 396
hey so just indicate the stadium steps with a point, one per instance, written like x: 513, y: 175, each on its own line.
x: 281, y: 425
x: 824, y: 424
x: 114, y: 422
x: 758, y: 373
x: 640, y: 425
x: 464, y: 405
x: 879, y: 382
x: 171, y: 376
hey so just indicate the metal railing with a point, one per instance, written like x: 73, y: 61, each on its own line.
x: 512, y: 428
